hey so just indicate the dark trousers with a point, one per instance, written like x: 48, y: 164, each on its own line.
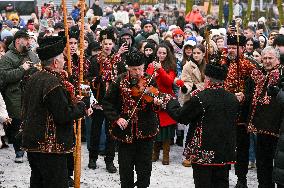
x: 70, y: 163
x: 243, y: 143
x: 138, y: 155
x: 265, y: 150
x: 14, y: 136
x: 211, y: 176
x: 97, y: 122
x: 48, y: 170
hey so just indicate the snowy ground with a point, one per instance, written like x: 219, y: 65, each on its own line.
x: 14, y: 175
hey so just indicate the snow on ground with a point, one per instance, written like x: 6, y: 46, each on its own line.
x: 14, y: 175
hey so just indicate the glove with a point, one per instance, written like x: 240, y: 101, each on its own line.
x: 184, y: 89
x: 272, y: 90
x: 179, y: 83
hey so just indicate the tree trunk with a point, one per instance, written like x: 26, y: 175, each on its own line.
x: 248, y: 14
x: 220, y: 16
x: 230, y: 10
x: 189, y: 4
x: 209, y: 7
x: 280, y: 10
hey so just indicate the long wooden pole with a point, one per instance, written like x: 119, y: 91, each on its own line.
x: 77, y: 168
x: 69, y: 66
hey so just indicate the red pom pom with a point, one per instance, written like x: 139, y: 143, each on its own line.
x: 179, y: 83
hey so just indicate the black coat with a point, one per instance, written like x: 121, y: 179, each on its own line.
x: 278, y: 172
x: 48, y: 115
x: 264, y: 118
x: 142, y: 126
x: 97, y: 10
x: 212, y: 114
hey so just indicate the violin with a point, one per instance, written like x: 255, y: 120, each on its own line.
x: 143, y: 91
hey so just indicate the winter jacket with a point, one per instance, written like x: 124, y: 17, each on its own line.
x: 122, y: 16
x: 119, y: 102
x: 49, y: 114
x: 194, y: 17
x: 14, y: 73
x: 265, y: 111
x: 191, y: 76
x: 278, y: 172
x: 142, y: 36
x: 212, y: 114
x: 165, y: 81
x: 97, y: 10
x: 75, y: 13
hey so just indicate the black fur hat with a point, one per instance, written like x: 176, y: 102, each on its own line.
x: 135, y: 58
x: 74, y: 32
x: 107, y: 33
x: 50, y: 47
x: 232, y: 40
x: 216, y: 71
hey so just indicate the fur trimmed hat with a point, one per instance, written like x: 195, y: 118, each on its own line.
x: 50, y: 47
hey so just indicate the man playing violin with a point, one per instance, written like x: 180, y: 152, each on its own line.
x: 134, y: 122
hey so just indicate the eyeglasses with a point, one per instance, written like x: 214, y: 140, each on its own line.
x: 15, y: 20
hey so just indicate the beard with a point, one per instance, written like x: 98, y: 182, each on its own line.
x: 25, y: 49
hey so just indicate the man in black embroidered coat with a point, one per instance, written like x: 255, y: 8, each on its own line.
x: 48, y: 113
x: 102, y: 71
x: 133, y: 132
x: 266, y: 112
x: 212, y: 114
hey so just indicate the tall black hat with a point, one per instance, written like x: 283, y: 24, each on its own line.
x: 74, y: 32
x: 107, y: 33
x: 232, y: 40
x: 50, y: 47
x: 135, y: 58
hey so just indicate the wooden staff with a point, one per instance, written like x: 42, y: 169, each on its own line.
x: 77, y: 167
x: 207, y: 47
x: 69, y: 66
x: 238, y: 56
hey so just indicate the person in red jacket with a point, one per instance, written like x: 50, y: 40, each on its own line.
x: 194, y: 16
x: 164, y: 71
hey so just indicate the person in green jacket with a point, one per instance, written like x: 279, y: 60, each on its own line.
x: 16, y: 66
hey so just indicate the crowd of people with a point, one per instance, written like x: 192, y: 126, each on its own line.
x: 146, y: 76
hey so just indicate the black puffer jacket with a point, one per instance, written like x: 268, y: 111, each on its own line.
x: 278, y: 172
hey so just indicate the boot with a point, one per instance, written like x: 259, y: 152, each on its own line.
x: 179, y: 140
x: 110, y: 167
x: 156, y: 151
x: 70, y: 182
x: 186, y: 163
x: 166, y: 152
x: 92, y: 163
x: 242, y: 183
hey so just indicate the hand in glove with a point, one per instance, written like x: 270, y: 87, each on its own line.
x: 184, y: 89
x: 272, y: 90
